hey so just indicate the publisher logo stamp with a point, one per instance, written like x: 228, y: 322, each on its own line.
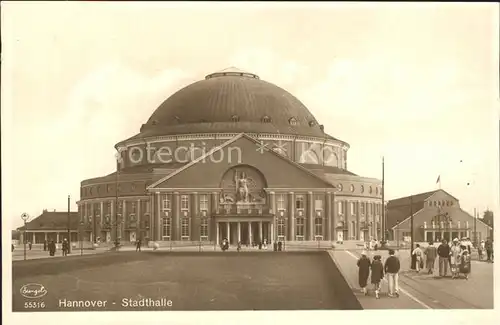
x: 33, y: 290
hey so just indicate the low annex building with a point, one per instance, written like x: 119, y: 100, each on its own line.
x: 51, y: 225
x: 235, y: 157
x: 436, y: 215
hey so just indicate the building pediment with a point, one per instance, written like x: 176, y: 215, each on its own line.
x: 241, y: 152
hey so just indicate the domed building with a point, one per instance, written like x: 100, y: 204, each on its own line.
x: 234, y: 157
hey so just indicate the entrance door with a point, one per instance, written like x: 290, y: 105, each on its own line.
x: 132, y: 236
x: 340, y: 236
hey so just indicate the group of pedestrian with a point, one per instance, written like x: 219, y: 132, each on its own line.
x: 51, y: 246
x: 456, y: 257
x: 378, y: 269
x: 486, y: 246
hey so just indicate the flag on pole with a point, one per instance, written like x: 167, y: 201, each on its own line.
x: 438, y: 181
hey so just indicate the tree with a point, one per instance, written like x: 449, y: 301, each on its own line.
x: 16, y: 235
x: 488, y: 218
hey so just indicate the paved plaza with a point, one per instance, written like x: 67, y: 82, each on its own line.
x: 422, y: 291
x: 252, y: 273
x: 192, y: 281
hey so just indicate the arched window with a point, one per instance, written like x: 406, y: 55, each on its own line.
x: 331, y: 158
x: 266, y: 119
x: 309, y: 157
x: 280, y: 151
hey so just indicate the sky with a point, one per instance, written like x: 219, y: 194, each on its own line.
x: 415, y: 83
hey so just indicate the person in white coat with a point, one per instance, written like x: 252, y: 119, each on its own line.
x: 418, y: 253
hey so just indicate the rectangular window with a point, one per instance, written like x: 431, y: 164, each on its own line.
x: 362, y: 208
x: 352, y: 207
x: 134, y: 208
x: 340, y: 208
x: 203, y: 202
x: 429, y: 236
x: 184, y: 202
x: 281, y: 229
x: 204, y: 229
x: 185, y: 228
x: 281, y: 202
x: 166, y: 228
x: 299, y: 202
x: 300, y: 228
x: 318, y: 228
x: 318, y: 205
x: 119, y: 226
x: 167, y: 204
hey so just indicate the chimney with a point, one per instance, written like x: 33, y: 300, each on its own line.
x: 322, y: 127
x: 44, y: 210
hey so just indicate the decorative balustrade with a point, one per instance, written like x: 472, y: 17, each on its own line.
x: 244, y: 209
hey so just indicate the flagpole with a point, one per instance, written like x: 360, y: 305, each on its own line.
x: 383, y: 200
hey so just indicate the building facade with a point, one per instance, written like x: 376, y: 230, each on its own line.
x: 436, y: 215
x: 50, y: 226
x: 232, y: 157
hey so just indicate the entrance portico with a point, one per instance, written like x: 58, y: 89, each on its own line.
x: 245, y: 230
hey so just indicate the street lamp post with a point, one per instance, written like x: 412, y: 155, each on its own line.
x: 25, y: 218
x: 412, y: 229
x: 69, y: 226
x: 81, y: 237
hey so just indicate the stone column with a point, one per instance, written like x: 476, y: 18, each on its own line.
x: 212, y: 211
x: 250, y: 232
x: 124, y: 218
x: 92, y: 224
x: 57, y: 237
x: 113, y: 217
x: 176, y: 227
x: 310, y: 213
x: 216, y: 202
x: 195, y: 218
x: 239, y: 231
x: 272, y: 232
x: 228, y: 228
x: 138, y: 219
x: 260, y: 231
x: 291, y: 219
x: 101, y: 221
x: 358, y: 224
x: 45, y: 235
x: 328, y: 216
x: 157, y: 219
x: 272, y: 198
x: 217, y: 233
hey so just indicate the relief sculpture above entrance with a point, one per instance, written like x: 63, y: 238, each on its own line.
x: 243, y: 184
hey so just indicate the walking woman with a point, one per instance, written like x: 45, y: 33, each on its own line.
x: 364, y: 271
x: 455, y: 251
x: 430, y: 254
x: 377, y: 273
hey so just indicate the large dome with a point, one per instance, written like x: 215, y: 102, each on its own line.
x: 232, y: 101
